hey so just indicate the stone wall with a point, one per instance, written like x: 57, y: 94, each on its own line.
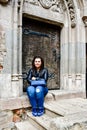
x: 5, y: 49
x: 66, y: 14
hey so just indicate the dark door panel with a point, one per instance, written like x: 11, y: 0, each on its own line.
x: 42, y: 39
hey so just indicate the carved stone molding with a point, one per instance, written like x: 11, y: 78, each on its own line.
x: 34, y: 2
x: 57, y: 6
x: 85, y: 20
x: 54, y: 5
x: 2, y: 47
x: 47, y: 3
x: 71, y: 9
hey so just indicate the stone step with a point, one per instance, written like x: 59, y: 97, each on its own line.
x: 77, y: 121
x: 3, y: 116
x: 51, y: 113
x: 23, y: 101
x: 42, y: 122
x: 65, y: 94
x: 6, y: 120
x: 25, y: 125
x: 68, y: 114
x: 66, y: 107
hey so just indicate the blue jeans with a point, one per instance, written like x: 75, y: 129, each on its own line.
x: 36, y: 95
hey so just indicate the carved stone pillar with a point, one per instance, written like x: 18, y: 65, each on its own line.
x: 85, y: 22
x: 15, y: 80
x: 20, y: 46
x: 79, y: 47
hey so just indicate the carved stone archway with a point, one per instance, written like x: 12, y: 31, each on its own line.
x: 56, y: 6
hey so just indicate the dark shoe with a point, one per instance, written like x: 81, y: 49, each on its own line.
x: 40, y: 111
x: 34, y: 111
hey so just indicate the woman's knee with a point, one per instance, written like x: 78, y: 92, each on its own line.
x: 39, y: 91
x: 31, y: 91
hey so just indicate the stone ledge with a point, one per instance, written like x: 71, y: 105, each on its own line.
x: 14, y: 103
x: 19, y: 102
x: 25, y: 125
x: 66, y: 94
x: 23, y: 101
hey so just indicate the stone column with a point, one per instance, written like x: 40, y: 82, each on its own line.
x: 85, y: 22
x: 78, y: 59
x: 71, y: 58
x: 15, y: 82
x: 20, y: 47
x: 64, y: 57
x: 69, y: 51
x: 71, y: 62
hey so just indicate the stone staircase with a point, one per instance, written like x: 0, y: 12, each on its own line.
x: 70, y: 114
x: 63, y: 110
x: 37, y: 123
x: 6, y: 120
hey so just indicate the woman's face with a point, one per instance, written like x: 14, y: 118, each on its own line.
x: 37, y: 63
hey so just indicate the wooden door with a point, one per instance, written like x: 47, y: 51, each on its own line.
x: 42, y: 39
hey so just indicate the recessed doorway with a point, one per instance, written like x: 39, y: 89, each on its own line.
x: 40, y: 38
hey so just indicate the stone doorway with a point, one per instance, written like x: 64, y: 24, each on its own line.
x: 42, y: 39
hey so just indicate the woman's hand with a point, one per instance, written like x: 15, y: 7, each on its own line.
x: 33, y: 78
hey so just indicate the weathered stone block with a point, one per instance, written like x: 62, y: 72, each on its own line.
x: 76, y: 121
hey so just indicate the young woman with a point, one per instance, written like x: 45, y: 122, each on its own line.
x: 37, y: 93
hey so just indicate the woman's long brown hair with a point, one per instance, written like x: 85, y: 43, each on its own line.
x: 42, y: 62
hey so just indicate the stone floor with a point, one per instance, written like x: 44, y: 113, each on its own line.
x: 65, y: 114
x: 6, y: 120
x: 64, y: 110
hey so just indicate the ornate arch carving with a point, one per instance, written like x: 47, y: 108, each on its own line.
x: 47, y: 3
x: 53, y: 5
x: 71, y: 9
x: 57, y: 6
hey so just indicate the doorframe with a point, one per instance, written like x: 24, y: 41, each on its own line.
x: 63, y: 26
x: 33, y: 18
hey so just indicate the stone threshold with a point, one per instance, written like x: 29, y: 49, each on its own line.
x: 23, y: 101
